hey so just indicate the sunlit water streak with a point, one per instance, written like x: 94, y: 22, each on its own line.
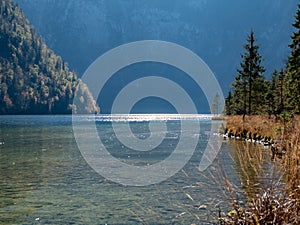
x: 145, y: 117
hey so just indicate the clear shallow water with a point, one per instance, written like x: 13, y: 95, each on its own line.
x: 45, y: 180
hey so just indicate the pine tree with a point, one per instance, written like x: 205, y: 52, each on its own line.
x: 270, y: 95
x: 239, y: 98
x: 215, y: 105
x: 249, y: 85
x: 292, y: 79
x: 277, y: 86
x: 229, y: 105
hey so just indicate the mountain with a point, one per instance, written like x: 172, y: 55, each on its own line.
x: 82, y: 30
x: 34, y: 80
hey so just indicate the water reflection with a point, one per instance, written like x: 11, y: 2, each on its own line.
x: 255, y: 168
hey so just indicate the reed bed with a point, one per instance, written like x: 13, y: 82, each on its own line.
x: 277, y: 200
x: 291, y: 163
x: 255, y: 126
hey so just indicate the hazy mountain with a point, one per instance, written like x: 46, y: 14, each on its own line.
x: 82, y: 30
x: 33, y: 80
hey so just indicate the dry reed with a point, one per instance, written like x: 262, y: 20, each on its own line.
x: 277, y: 201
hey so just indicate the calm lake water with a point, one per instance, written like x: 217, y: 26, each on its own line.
x: 45, y: 180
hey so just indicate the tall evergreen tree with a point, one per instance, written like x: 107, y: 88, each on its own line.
x: 249, y: 85
x: 270, y: 94
x: 228, y: 104
x: 215, y: 105
x: 277, y: 86
x: 292, y: 79
x: 239, y: 97
x: 275, y: 93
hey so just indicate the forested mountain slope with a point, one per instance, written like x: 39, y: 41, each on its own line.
x: 33, y: 79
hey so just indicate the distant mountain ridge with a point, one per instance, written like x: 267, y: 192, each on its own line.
x: 33, y: 80
x: 82, y: 30
x: 214, y: 29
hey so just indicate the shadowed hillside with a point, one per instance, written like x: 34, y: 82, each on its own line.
x: 33, y: 80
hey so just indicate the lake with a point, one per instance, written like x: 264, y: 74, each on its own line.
x: 44, y: 178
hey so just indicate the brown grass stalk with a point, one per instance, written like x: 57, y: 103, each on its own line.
x: 275, y: 202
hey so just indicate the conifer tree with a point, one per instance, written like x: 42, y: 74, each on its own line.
x: 249, y: 85
x: 277, y: 84
x: 270, y: 95
x: 292, y: 79
x: 239, y: 98
x: 215, y: 105
x: 228, y: 110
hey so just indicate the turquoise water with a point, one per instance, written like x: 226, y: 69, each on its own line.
x: 45, y: 180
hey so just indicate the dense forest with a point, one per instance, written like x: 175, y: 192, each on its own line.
x: 34, y: 80
x: 253, y: 94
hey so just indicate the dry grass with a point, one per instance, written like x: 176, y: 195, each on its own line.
x: 267, y: 208
x: 274, y: 203
x: 292, y: 157
x: 285, y: 135
x: 255, y: 126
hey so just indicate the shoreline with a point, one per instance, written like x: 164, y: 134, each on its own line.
x: 283, y: 137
